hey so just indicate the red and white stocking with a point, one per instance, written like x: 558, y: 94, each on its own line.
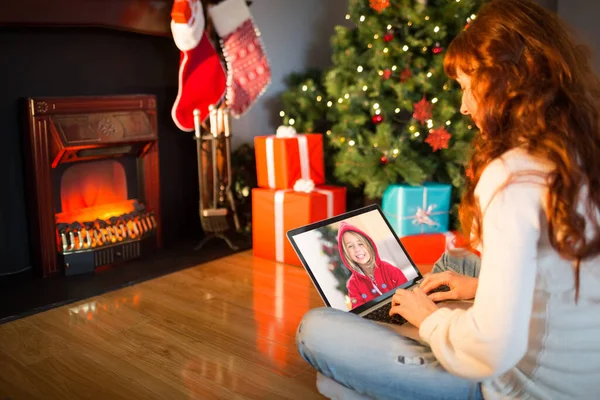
x: 248, y: 70
x: 202, y: 78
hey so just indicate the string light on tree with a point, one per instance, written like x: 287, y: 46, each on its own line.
x: 292, y: 121
x: 282, y: 113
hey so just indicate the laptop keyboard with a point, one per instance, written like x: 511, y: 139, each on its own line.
x: 382, y: 314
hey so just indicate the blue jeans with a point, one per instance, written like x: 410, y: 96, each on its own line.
x: 376, y: 361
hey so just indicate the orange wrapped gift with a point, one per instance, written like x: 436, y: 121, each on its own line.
x: 274, y: 212
x: 282, y: 160
x: 428, y: 248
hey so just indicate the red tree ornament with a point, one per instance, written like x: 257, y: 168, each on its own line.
x: 469, y: 173
x: 377, y: 119
x: 388, y: 37
x: 438, y: 138
x: 437, y: 49
x: 386, y: 74
x: 379, y: 5
x: 422, y: 110
x: 384, y: 160
x: 405, y: 75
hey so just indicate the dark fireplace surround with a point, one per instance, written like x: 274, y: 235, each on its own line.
x: 92, y: 172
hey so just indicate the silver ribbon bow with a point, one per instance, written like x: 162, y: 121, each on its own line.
x: 423, y: 216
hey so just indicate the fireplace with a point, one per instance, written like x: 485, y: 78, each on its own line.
x: 93, y: 181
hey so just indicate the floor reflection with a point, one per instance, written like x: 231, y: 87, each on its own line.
x: 277, y: 313
x: 91, y: 310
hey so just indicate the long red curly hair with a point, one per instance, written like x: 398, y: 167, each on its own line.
x: 536, y: 89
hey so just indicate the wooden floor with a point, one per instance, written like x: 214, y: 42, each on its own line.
x: 222, y: 330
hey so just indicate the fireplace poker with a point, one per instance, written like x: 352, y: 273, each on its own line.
x: 214, y: 217
x: 228, y: 190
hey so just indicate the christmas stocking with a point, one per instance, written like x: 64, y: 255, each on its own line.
x: 248, y: 71
x: 202, y: 79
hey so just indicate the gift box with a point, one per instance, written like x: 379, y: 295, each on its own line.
x: 426, y: 249
x: 274, y: 212
x: 429, y: 247
x: 414, y: 210
x: 281, y: 161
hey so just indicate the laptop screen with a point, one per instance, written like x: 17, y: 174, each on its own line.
x: 355, y: 260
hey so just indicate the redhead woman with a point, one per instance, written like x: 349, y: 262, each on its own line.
x: 532, y: 209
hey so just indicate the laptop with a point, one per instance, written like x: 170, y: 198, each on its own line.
x: 356, y: 262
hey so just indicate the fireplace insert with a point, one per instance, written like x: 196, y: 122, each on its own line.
x: 92, y: 168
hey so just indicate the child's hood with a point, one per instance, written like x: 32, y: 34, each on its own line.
x: 346, y: 227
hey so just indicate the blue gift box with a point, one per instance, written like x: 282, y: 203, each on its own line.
x: 414, y: 210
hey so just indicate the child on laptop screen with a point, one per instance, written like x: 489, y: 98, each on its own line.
x: 371, y: 276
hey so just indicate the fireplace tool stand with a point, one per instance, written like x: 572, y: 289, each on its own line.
x: 216, y: 201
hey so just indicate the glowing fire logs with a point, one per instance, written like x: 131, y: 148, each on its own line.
x: 78, y: 236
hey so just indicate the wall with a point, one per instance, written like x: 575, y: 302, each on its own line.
x: 296, y: 36
x: 549, y: 4
x: 582, y: 16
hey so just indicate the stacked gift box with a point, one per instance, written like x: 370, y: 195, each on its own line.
x: 420, y: 217
x: 292, y: 192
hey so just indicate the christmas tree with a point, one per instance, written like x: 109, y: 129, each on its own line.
x: 389, y: 112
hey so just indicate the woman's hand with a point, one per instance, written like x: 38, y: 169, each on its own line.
x: 413, y: 305
x: 462, y: 287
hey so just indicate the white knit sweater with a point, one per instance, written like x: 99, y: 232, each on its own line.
x: 524, y: 337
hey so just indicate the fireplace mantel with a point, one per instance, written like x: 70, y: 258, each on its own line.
x: 150, y: 17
